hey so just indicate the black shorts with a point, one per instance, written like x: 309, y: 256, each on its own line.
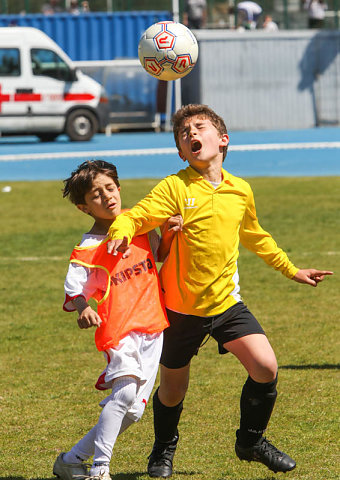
x: 184, y: 336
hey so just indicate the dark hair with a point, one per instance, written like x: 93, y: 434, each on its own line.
x: 202, y: 111
x: 81, y: 180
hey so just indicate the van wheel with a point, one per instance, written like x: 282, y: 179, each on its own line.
x: 81, y: 125
x: 47, y: 137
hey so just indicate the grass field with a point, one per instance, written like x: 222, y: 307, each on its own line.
x: 48, y: 366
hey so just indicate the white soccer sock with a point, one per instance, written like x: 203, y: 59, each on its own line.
x: 83, y: 450
x: 124, y: 392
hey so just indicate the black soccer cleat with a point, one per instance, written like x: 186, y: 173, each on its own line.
x: 264, y: 452
x: 161, y: 457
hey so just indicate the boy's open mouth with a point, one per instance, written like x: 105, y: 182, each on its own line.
x: 196, y: 146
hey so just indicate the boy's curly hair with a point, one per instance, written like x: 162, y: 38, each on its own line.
x: 202, y: 111
x: 81, y: 180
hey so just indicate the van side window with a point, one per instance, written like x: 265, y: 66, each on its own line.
x: 9, y: 62
x: 49, y: 64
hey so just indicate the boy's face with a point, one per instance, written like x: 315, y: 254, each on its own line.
x: 103, y: 201
x: 200, y: 142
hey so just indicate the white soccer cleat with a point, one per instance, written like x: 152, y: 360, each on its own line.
x: 102, y: 475
x: 68, y: 471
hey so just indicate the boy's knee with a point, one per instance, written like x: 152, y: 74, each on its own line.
x: 124, y: 391
x: 135, y: 412
x: 265, y: 371
x: 171, y: 397
x: 173, y: 386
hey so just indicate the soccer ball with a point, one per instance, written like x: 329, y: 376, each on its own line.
x: 168, y: 50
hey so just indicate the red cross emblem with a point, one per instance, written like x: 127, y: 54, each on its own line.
x: 3, y: 97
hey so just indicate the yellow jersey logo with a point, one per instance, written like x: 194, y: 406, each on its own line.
x: 190, y: 203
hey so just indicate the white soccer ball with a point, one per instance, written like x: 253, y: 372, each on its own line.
x: 168, y: 50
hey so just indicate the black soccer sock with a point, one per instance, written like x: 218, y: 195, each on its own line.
x: 257, y: 403
x: 165, y: 419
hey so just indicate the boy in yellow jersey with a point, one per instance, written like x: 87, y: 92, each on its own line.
x: 201, y: 285
x: 129, y: 319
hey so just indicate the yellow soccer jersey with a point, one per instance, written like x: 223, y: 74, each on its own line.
x: 200, y: 275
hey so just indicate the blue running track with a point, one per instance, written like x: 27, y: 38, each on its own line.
x: 311, y: 152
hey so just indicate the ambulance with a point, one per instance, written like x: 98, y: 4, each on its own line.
x: 41, y: 91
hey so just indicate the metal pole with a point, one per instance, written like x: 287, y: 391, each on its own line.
x: 177, y: 90
x: 285, y: 14
x: 4, y: 7
x: 169, y: 91
x: 175, y: 10
x: 109, y: 6
x: 336, y: 8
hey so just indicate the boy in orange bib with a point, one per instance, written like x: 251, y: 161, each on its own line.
x: 129, y: 320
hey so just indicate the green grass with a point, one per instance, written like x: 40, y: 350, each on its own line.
x: 48, y: 366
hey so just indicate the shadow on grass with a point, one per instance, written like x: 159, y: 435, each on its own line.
x: 228, y: 477
x: 116, y: 476
x: 23, y: 478
x: 135, y: 475
x: 325, y: 366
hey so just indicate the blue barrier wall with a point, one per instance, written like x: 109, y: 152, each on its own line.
x: 92, y: 36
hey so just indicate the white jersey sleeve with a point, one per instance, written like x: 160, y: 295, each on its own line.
x: 82, y: 281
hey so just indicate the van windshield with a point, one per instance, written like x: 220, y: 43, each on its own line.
x: 49, y: 64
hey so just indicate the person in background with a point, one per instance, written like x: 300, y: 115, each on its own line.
x: 52, y: 7
x: 74, y: 9
x: 195, y: 13
x: 316, y: 13
x: 85, y: 6
x: 248, y: 14
x: 269, y: 25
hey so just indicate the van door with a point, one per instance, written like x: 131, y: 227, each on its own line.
x: 13, y: 109
x: 52, y: 79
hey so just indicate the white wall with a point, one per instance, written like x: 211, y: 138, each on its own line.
x: 258, y: 80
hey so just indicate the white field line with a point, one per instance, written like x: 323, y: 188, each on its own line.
x: 162, y: 151
x: 87, y: 154
x: 31, y: 259
x: 59, y: 259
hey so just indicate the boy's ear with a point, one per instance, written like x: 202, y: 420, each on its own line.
x: 181, y: 155
x: 225, y: 140
x: 83, y: 208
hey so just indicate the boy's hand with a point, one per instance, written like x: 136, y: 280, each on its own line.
x: 115, y: 246
x: 89, y: 318
x: 173, y: 224
x: 311, y: 276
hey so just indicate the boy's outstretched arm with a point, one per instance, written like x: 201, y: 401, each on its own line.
x: 149, y: 213
x: 119, y: 245
x: 311, y: 276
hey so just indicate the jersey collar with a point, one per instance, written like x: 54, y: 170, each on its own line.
x: 194, y: 175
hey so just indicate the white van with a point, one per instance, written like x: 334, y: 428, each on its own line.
x: 42, y: 93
